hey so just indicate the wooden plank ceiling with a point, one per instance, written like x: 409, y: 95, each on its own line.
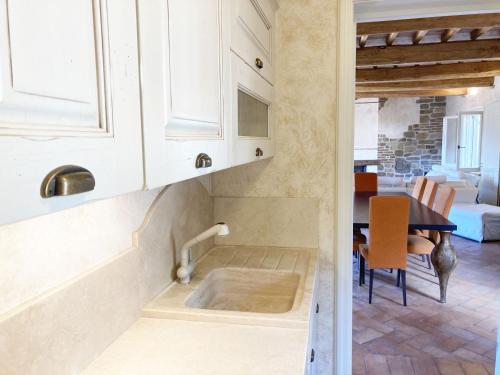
x: 437, y: 56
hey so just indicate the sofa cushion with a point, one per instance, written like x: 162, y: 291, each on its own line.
x: 440, y: 179
x: 390, y: 181
x: 466, y: 195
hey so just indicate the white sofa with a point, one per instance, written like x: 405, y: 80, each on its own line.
x: 465, y: 191
x: 391, y: 184
x: 478, y: 222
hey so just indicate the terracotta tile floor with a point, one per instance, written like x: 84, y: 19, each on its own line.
x: 428, y: 337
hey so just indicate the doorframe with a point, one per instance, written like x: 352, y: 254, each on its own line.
x: 344, y: 164
x: 346, y: 69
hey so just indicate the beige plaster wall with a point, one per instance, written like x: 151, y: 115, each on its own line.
x: 61, y: 330
x: 303, y: 165
x: 267, y: 221
x: 396, y: 115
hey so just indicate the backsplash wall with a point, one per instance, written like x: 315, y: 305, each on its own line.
x: 95, y: 274
x: 418, y: 147
x: 44, y: 252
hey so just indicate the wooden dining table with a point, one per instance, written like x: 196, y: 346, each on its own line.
x: 443, y: 257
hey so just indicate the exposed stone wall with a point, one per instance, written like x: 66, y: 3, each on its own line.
x: 420, y: 147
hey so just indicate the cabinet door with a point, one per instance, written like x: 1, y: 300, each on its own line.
x: 252, y: 36
x: 251, y: 113
x: 184, y: 77
x: 69, y: 95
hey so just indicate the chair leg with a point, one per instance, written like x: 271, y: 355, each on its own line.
x: 391, y: 270
x: 422, y: 257
x: 371, y: 287
x: 428, y: 261
x: 403, y: 281
x: 398, y: 277
x: 361, y: 270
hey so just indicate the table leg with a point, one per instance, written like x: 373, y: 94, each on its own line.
x: 444, y: 259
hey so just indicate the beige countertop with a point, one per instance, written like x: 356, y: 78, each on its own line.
x: 173, y: 339
x: 176, y: 347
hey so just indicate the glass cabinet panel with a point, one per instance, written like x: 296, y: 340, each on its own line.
x: 253, y: 116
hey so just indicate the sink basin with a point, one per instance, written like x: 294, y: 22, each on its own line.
x: 246, y: 290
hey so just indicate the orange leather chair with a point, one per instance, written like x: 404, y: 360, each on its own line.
x: 418, y: 194
x: 388, y: 236
x: 418, y: 190
x: 424, y: 242
x: 365, y: 182
x: 429, y: 194
x: 358, y: 238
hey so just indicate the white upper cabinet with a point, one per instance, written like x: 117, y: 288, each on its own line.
x: 69, y: 95
x: 252, y: 109
x: 252, y: 34
x: 184, y: 47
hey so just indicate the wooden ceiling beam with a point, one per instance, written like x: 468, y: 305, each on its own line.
x: 426, y: 85
x: 476, y: 33
x: 411, y: 93
x: 391, y: 38
x: 419, y: 35
x: 473, y: 21
x: 430, y: 72
x: 362, y: 41
x: 448, y: 34
x: 425, y: 53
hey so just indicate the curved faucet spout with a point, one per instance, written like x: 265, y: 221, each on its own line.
x: 186, y: 268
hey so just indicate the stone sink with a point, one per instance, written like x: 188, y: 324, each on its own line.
x: 233, y: 289
x: 251, y: 285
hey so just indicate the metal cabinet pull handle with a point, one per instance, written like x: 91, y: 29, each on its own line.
x: 312, y: 355
x: 67, y: 180
x: 259, y: 152
x: 203, y: 161
x: 259, y: 63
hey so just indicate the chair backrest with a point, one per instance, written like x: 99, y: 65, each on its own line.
x: 444, y: 200
x: 418, y: 190
x: 389, y: 219
x: 365, y: 182
x: 430, y: 191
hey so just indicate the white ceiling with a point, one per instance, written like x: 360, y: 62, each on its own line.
x: 382, y: 10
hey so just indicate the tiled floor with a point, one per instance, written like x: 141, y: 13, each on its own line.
x: 428, y: 337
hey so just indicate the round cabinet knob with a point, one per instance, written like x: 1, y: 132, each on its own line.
x: 259, y: 152
x: 259, y: 63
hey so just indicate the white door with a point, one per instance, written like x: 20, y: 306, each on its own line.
x: 69, y: 95
x: 184, y: 48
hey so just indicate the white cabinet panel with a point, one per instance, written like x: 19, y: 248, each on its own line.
x: 253, y: 34
x: 184, y: 48
x: 252, y: 109
x: 52, y: 74
x: 195, y: 61
x: 69, y: 95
